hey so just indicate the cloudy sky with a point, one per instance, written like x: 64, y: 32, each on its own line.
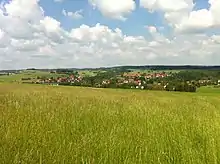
x: 96, y: 33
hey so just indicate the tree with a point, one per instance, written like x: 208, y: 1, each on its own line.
x: 179, y: 87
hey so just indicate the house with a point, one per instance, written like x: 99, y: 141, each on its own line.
x: 131, y: 75
x: 105, y: 82
x: 72, y: 77
x: 131, y: 80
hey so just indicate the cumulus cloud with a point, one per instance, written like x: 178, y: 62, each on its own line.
x: 202, y: 19
x: 114, y: 9
x: 31, y: 39
x: 181, y: 16
x: 173, y: 12
x: 167, y: 5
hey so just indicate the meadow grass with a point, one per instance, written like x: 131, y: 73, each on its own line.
x: 50, y: 124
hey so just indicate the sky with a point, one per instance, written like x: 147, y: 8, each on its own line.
x: 103, y: 33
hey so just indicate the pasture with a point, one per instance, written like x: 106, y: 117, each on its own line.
x: 55, y: 124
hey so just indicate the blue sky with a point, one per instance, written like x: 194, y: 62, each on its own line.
x: 94, y: 33
x: 134, y: 25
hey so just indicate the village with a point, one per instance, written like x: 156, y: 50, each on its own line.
x: 185, y: 80
x: 134, y: 80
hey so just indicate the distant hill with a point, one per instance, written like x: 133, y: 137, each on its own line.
x: 151, y: 67
x: 169, y: 67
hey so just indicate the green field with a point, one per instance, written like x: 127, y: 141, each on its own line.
x: 27, y: 74
x: 53, y: 124
x: 90, y: 73
x: 209, y: 89
x: 35, y: 73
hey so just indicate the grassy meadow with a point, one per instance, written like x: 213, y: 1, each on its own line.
x: 54, y: 124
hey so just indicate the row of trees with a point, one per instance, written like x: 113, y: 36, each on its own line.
x: 195, y: 75
x: 181, y: 87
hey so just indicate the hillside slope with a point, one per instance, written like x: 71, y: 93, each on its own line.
x: 46, y: 124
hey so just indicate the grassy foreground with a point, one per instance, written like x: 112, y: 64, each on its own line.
x: 45, y: 124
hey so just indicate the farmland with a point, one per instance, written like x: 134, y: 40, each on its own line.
x: 57, y: 124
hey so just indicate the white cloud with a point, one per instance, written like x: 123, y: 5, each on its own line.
x: 40, y: 41
x: 182, y: 18
x: 202, y: 19
x: 1, y: 34
x: 197, y: 20
x: 24, y: 10
x: 74, y: 15
x: 3, y: 39
x: 173, y: 12
x: 114, y: 9
x: 167, y: 5
x: 50, y: 24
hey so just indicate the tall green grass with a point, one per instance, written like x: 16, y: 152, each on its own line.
x: 42, y: 124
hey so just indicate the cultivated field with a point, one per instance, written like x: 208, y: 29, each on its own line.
x: 50, y: 124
